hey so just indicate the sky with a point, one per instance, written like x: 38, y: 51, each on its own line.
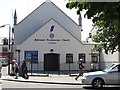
x: 25, y: 7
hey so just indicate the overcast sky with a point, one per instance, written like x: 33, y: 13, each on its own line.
x: 25, y: 7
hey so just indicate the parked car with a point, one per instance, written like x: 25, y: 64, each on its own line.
x: 4, y: 60
x: 109, y: 76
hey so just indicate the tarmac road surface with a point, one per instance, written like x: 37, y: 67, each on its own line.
x: 85, y: 88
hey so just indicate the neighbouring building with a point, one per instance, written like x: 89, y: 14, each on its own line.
x: 5, y: 48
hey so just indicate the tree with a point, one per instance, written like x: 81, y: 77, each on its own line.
x: 106, y: 17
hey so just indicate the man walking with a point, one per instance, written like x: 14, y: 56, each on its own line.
x: 24, y: 70
x: 80, y: 69
x: 16, y: 70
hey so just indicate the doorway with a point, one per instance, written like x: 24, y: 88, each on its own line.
x: 51, y: 62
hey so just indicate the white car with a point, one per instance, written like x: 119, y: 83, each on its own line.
x: 4, y: 60
x: 109, y: 76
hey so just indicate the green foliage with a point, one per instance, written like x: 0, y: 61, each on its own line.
x: 106, y: 17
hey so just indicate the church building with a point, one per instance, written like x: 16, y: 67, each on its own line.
x: 49, y: 40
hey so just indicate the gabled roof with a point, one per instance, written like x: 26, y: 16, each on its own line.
x: 39, y: 17
x: 43, y: 4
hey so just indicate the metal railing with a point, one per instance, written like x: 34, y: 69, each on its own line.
x: 65, y: 68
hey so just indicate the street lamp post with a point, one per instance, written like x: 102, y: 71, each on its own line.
x: 8, y: 46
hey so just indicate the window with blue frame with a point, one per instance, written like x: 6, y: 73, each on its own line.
x: 31, y: 56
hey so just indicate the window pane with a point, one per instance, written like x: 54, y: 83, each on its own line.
x: 69, y: 58
x: 94, y: 58
x: 5, y: 41
x: 82, y: 56
x: 5, y: 49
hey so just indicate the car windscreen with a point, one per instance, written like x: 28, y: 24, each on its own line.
x: 109, y: 68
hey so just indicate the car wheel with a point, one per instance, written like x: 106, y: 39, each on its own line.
x: 97, y: 83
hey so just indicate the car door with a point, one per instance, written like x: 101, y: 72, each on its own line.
x: 113, y: 76
x: 119, y: 74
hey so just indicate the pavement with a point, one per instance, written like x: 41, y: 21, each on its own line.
x: 51, y: 79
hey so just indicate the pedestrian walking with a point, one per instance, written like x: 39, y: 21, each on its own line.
x: 81, y: 66
x: 24, y: 70
x: 13, y: 68
x: 93, y: 66
x: 16, y: 70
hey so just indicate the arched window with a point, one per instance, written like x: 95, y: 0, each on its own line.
x: 5, y: 41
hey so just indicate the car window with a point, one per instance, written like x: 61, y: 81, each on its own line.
x: 115, y: 69
x: 1, y: 58
x: 109, y: 68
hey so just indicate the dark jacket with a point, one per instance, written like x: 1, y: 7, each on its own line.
x: 24, y: 67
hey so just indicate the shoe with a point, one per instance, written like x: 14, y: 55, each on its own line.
x: 16, y: 78
x: 76, y: 79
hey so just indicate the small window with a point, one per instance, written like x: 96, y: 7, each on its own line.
x: 82, y: 56
x: 4, y: 49
x: 69, y: 58
x: 5, y: 41
x: 94, y: 58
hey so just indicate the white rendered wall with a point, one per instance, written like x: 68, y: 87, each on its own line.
x: 73, y: 46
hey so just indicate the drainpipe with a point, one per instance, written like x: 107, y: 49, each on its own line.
x: 18, y: 51
x: 99, y: 61
x: 119, y: 57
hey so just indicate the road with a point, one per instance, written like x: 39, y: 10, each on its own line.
x: 22, y: 85
x: 15, y: 85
